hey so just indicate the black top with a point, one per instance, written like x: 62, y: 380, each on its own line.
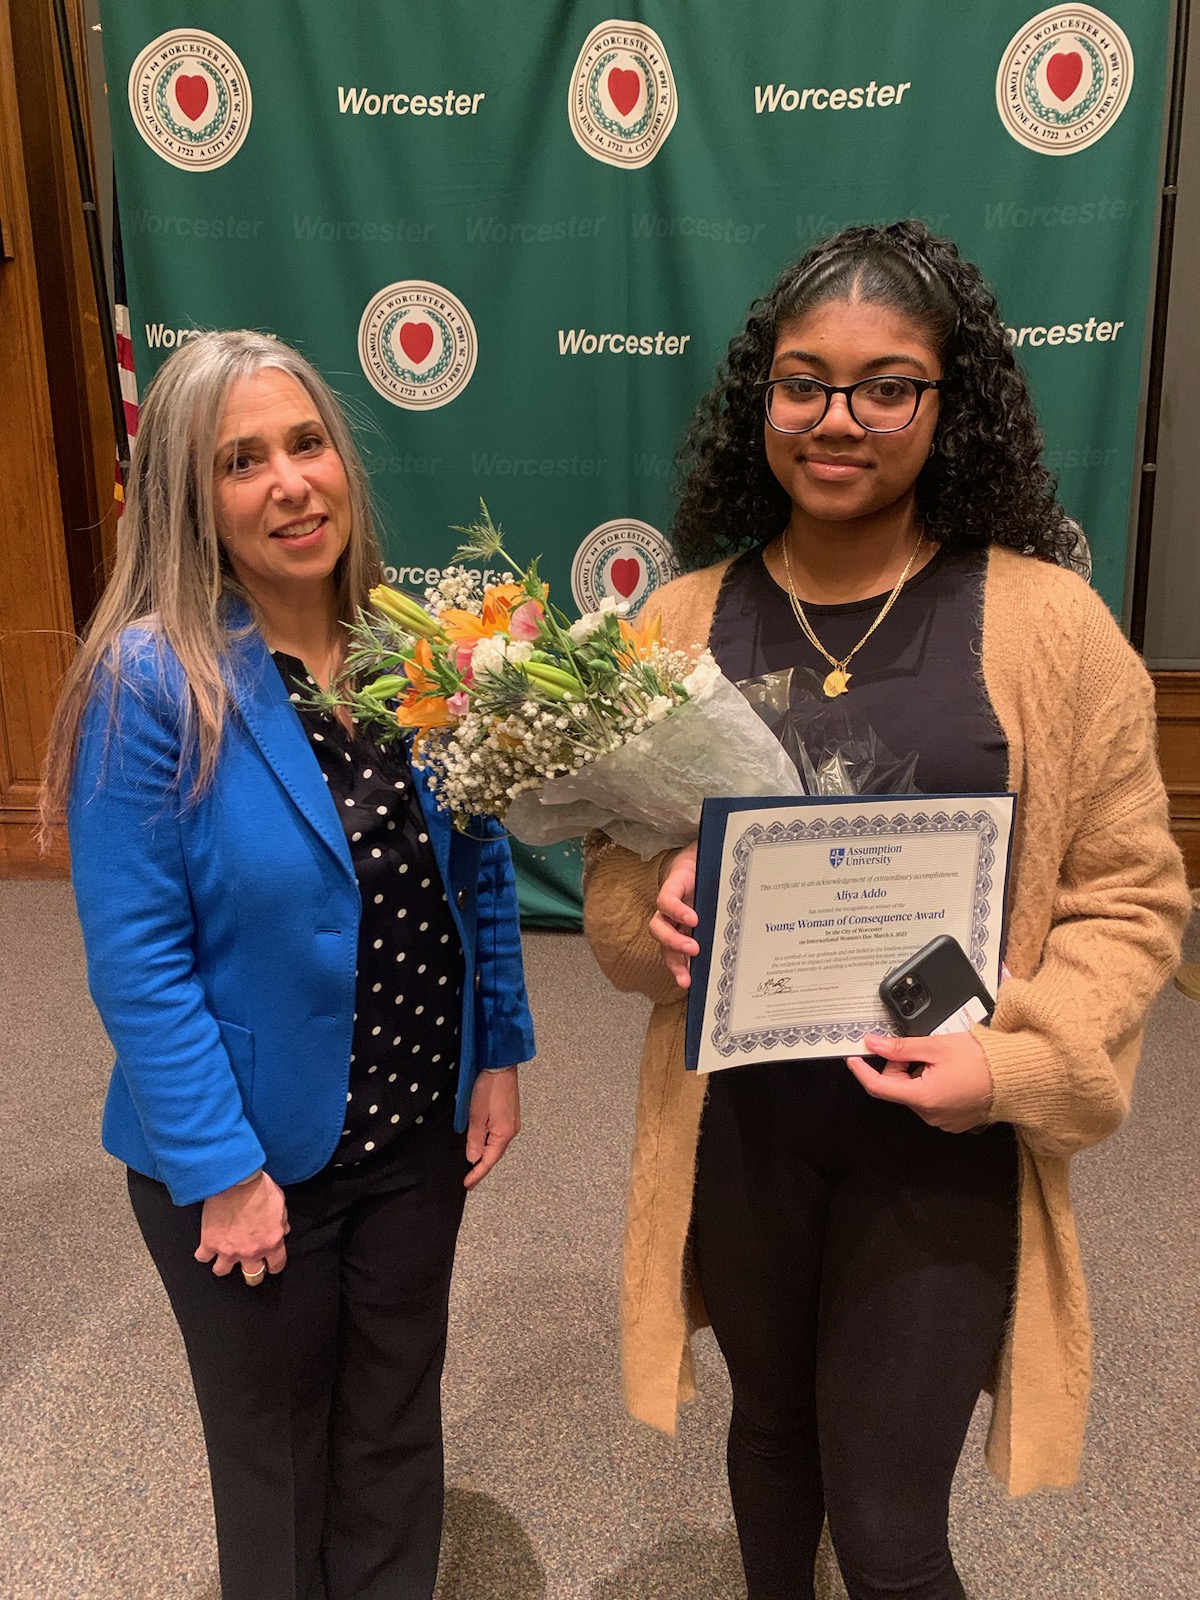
x: 404, y: 1060
x: 917, y: 680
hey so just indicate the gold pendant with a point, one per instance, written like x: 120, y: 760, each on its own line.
x: 836, y: 683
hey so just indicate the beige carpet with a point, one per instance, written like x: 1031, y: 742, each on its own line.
x: 554, y: 1494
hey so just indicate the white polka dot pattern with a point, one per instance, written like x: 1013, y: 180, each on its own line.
x: 405, y: 912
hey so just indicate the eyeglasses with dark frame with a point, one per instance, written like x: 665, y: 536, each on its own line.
x: 886, y: 404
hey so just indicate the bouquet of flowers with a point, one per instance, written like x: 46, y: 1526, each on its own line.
x: 550, y: 725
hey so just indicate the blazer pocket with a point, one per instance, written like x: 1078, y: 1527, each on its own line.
x: 239, y: 1045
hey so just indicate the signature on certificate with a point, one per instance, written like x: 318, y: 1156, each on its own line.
x: 774, y: 986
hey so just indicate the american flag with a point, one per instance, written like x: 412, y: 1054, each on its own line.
x: 123, y: 329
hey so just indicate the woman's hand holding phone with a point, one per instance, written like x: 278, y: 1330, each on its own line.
x: 952, y: 1089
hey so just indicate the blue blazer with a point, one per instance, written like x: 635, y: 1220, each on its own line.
x: 222, y: 933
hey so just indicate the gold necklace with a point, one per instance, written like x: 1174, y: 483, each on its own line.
x: 838, y: 680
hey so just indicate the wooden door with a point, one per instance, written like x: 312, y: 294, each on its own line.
x: 37, y: 625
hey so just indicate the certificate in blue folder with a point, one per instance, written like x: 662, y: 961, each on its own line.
x: 806, y: 904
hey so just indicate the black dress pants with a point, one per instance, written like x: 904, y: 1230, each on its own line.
x: 856, y: 1265
x: 320, y: 1390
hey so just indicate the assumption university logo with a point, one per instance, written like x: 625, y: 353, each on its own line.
x: 1064, y: 79
x: 837, y: 855
x: 622, y: 101
x: 190, y: 99
x: 417, y: 345
x: 624, y: 559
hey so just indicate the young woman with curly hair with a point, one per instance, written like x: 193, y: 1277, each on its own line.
x: 866, y: 477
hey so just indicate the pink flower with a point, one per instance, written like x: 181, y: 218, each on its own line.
x: 458, y: 704
x: 460, y: 656
x: 525, y: 621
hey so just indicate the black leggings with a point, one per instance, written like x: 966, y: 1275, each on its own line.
x: 856, y: 1265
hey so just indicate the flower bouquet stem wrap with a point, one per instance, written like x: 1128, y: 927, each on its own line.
x: 552, y: 726
x: 647, y: 793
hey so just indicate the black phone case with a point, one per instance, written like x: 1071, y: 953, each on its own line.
x: 944, y: 972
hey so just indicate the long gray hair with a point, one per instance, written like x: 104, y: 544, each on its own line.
x: 171, y: 576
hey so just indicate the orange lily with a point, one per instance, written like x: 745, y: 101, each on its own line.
x: 424, y: 706
x: 499, y: 603
x: 418, y: 669
x: 642, y: 636
x: 422, y: 711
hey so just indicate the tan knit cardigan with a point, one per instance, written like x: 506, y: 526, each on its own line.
x: 1097, y: 903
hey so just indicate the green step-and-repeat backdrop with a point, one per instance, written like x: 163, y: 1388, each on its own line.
x: 517, y: 237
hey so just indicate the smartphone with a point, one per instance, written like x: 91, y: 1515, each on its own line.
x: 936, y: 991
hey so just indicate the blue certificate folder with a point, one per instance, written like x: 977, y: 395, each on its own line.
x: 924, y: 809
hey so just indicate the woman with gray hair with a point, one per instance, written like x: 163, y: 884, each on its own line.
x: 312, y: 983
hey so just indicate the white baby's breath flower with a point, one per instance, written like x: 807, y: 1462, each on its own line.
x: 658, y: 708
x: 458, y: 587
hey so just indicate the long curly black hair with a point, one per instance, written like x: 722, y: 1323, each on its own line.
x: 984, y: 482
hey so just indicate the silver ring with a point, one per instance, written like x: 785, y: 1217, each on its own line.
x: 254, y: 1277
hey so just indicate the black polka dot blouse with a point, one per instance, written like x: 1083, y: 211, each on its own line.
x: 404, y: 1054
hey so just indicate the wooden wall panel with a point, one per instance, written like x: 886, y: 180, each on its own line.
x: 1178, y: 697
x: 74, y: 355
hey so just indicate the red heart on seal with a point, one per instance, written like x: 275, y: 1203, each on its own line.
x: 625, y: 574
x: 624, y: 86
x: 1063, y: 73
x: 192, y: 94
x: 416, y: 340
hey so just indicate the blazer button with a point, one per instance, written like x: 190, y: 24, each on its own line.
x: 478, y: 981
x: 460, y: 899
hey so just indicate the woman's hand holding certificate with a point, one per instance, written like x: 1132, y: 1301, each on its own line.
x: 675, y: 914
x: 950, y: 1088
